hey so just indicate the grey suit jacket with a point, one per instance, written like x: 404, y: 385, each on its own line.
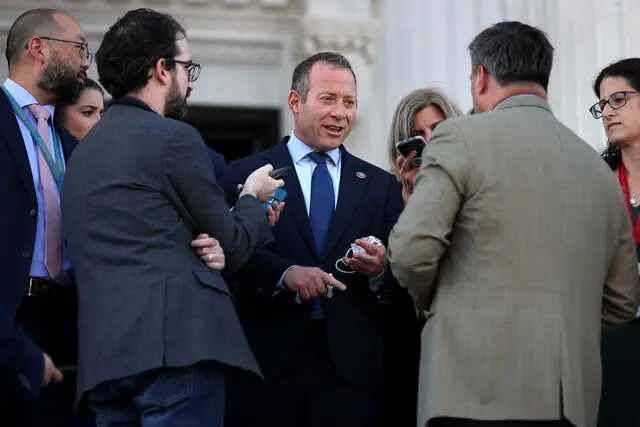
x: 515, y: 245
x: 138, y: 189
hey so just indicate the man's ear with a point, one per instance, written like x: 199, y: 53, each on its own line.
x: 294, y: 100
x: 35, y: 48
x: 162, y: 71
x: 482, y: 80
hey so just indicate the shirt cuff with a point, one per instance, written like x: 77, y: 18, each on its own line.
x: 280, y: 286
x: 376, y: 281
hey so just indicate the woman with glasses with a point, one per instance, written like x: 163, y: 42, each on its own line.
x: 80, y: 114
x: 618, y: 88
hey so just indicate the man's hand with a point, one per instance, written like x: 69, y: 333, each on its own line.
x: 368, y: 264
x: 274, y: 210
x: 209, y: 251
x: 407, y: 174
x: 309, y: 282
x: 51, y: 373
x: 260, y: 185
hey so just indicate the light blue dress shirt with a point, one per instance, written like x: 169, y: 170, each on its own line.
x: 24, y: 98
x: 298, y: 151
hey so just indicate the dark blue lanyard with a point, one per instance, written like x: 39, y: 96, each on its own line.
x: 55, y: 167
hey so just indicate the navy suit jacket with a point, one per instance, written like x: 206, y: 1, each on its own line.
x: 18, y: 227
x: 218, y: 163
x: 369, y: 203
x: 21, y: 361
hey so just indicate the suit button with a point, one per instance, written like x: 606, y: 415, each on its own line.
x: 259, y: 290
x: 26, y: 255
x: 33, y: 212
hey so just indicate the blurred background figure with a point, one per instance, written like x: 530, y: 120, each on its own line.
x: 617, y: 88
x: 416, y: 115
x: 82, y: 112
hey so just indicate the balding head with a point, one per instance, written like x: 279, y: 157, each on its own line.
x: 31, y: 23
x: 48, y: 54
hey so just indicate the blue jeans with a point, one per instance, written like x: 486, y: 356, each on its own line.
x: 189, y: 396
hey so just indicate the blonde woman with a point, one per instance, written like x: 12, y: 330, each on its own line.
x: 416, y: 115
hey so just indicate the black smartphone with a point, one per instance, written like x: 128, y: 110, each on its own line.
x: 279, y: 173
x: 415, y: 143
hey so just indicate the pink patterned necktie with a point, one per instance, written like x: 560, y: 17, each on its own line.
x: 52, y: 216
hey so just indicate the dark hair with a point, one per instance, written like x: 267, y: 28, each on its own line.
x: 25, y: 27
x: 513, y: 52
x: 628, y: 69
x: 300, y: 79
x: 86, y: 84
x: 132, y: 46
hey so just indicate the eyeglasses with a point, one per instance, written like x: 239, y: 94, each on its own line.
x: 615, y: 101
x: 193, y: 69
x: 83, y: 47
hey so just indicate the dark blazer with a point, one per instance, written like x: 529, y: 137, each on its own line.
x: 21, y: 361
x: 138, y: 189
x: 369, y: 203
x: 18, y: 218
x: 218, y: 162
x: 18, y: 196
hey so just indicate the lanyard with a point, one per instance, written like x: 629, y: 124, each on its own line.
x: 624, y: 183
x: 54, y: 167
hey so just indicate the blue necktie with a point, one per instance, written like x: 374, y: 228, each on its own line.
x: 320, y: 212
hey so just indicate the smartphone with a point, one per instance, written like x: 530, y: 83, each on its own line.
x: 278, y: 197
x: 279, y: 173
x: 415, y: 143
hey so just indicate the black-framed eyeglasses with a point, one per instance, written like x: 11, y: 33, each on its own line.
x: 193, y: 69
x: 615, y: 101
x: 83, y: 47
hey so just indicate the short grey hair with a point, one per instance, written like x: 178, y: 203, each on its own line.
x: 300, y: 79
x: 412, y: 104
x: 31, y: 23
x: 513, y: 52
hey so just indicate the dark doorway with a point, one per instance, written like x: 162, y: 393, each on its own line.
x: 236, y: 132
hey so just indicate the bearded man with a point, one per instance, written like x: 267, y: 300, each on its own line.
x: 156, y: 326
x: 48, y: 56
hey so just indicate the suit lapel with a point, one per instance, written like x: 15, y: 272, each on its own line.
x: 353, y: 183
x: 13, y: 138
x: 280, y: 157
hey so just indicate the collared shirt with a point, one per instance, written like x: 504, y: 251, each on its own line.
x: 298, y: 151
x: 24, y: 98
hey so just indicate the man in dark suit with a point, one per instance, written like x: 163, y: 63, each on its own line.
x: 47, y: 55
x: 156, y: 326
x: 319, y: 348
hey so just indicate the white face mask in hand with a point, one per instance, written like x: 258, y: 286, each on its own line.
x: 355, y: 249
